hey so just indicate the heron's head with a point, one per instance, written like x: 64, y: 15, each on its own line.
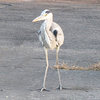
x: 45, y: 15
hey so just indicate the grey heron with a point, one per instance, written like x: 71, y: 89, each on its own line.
x: 51, y: 36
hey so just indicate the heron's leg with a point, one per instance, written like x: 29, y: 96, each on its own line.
x: 46, y: 53
x: 57, y: 50
x: 60, y: 85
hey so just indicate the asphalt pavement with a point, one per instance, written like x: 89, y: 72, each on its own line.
x: 22, y: 58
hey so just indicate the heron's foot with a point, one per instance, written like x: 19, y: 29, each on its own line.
x: 44, y: 89
x: 61, y: 88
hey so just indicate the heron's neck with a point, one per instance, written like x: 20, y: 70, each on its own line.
x: 48, y: 23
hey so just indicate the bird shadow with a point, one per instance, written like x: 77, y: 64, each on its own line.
x: 86, y: 89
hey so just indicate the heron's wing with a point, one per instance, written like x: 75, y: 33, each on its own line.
x: 39, y: 31
x: 58, y: 33
x: 40, y: 38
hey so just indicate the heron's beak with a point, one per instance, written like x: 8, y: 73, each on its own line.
x: 38, y: 18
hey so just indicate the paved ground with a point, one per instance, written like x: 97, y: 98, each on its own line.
x: 22, y: 58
